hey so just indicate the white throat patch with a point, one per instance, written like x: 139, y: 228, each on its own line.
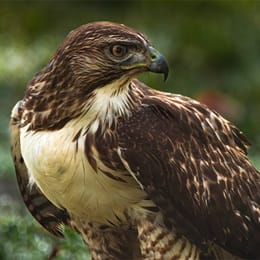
x: 109, y: 101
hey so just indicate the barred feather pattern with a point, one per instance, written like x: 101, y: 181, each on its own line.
x: 157, y: 242
x: 107, y: 243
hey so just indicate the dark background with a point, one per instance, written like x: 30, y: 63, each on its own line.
x: 213, y: 49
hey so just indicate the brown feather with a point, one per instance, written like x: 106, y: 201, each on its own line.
x: 49, y: 216
x: 193, y: 164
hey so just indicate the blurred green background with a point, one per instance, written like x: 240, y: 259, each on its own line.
x: 213, y: 49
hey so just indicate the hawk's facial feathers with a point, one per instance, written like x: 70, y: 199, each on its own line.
x: 102, y: 52
x: 95, y: 56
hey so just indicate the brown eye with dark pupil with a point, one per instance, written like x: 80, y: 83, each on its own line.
x: 118, y: 50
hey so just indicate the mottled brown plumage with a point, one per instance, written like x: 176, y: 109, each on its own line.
x: 137, y: 172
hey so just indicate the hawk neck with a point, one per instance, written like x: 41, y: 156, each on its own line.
x: 101, y: 106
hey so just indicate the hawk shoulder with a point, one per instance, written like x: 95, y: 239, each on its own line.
x: 193, y: 164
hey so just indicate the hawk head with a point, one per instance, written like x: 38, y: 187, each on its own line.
x: 91, y: 57
x: 98, y: 53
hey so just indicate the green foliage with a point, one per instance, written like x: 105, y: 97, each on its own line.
x: 21, y: 238
x: 72, y: 247
x: 24, y: 239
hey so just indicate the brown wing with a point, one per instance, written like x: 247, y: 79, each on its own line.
x: 193, y: 164
x: 49, y: 216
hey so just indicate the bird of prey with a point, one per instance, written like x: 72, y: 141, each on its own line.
x: 139, y: 173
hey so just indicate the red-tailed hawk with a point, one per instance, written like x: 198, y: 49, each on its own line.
x: 138, y: 172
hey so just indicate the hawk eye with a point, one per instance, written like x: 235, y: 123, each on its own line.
x: 118, y: 50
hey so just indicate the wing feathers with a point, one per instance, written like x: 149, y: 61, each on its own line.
x: 49, y: 216
x: 192, y: 162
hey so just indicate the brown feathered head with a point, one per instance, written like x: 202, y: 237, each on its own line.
x: 98, y: 53
x: 92, y: 56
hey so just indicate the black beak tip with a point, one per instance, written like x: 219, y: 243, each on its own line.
x: 166, y: 73
x: 160, y: 65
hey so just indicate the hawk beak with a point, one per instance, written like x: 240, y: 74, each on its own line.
x: 158, y: 63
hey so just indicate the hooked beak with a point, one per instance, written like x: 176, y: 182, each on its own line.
x: 151, y: 60
x: 158, y: 63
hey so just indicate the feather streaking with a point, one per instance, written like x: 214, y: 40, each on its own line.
x: 139, y: 173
